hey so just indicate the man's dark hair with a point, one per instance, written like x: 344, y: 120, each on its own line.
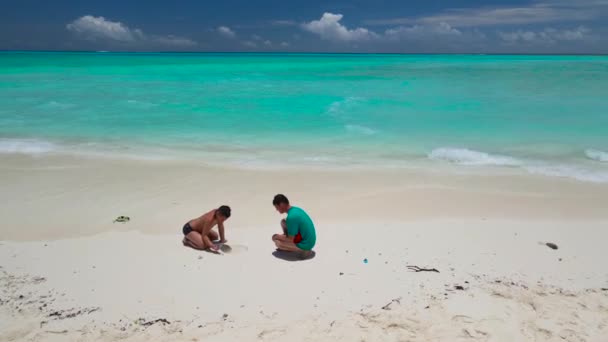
x: 224, y: 210
x: 279, y: 199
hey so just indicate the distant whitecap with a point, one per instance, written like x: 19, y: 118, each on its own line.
x: 597, y: 155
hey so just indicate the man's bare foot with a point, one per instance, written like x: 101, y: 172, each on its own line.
x: 305, y: 254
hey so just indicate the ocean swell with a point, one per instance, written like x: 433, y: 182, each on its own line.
x: 25, y: 146
x: 463, y: 156
x: 360, y: 129
x: 597, y: 155
x: 569, y: 171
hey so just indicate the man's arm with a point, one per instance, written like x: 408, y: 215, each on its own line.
x: 292, y: 228
x: 209, y: 244
x: 206, y: 240
x: 220, y: 227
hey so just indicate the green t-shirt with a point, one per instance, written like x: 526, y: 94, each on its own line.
x: 298, y: 221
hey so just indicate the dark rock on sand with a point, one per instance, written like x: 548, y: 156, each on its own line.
x: 551, y: 245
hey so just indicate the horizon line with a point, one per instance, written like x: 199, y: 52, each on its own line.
x: 306, y: 53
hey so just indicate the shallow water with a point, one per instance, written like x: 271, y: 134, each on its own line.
x: 543, y: 114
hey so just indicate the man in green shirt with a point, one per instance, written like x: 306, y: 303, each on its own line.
x: 298, y: 230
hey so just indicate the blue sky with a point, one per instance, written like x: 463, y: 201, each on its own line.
x: 460, y: 26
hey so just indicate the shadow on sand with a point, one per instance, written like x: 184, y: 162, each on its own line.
x: 292, y: 256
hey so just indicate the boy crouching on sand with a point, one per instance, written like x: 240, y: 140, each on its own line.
x: 198, y: 232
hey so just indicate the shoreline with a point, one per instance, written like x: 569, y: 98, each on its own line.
x: 581, y: 164
x: 82, y: 196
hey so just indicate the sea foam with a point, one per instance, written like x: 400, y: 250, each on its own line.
x: 26, y: 146
x: 569, y: 171
x: 360, y: 129
x: 337, y: 107
x: 597, y: 155
x: 465, y: 156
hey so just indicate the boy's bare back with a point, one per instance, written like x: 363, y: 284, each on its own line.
x: 204, y: 223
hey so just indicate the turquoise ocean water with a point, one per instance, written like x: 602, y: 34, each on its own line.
x: 546, y: 115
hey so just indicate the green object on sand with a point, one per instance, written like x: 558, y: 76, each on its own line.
x: 122, y: 219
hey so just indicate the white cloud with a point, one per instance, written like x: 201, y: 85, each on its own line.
x: 330, y: 28
x: 546, y: 36
x: 102, y: 29
x: 540, y: 11
x: 579, y: 33
x: 284, y: 44
x: 421, y: 31
x: 99, y: 28
x: 256, y: 41
x: 171, y: 40
x: 283, y: 23
x: 520, y: 35
x: 502, y: 16
x: 226, y: 32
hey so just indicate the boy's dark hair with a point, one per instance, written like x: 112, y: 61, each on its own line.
x: 278, y: 199
x: 224, y: 210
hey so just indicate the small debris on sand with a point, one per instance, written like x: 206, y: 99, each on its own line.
x: 418, y: 269
x: 388, y: 306
x: 145, y: 323
x: 551, y: 245
x: 63, y: 314
x: 122, y: 219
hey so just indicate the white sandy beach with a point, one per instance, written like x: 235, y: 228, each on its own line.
x: 69, y: 273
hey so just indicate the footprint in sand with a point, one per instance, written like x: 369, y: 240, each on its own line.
x: 462, y: 319
x: 571, y: 336
x: 541, y: 333
x: 271, y: 333
x: 234, y: 249
x: 475, y: 334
